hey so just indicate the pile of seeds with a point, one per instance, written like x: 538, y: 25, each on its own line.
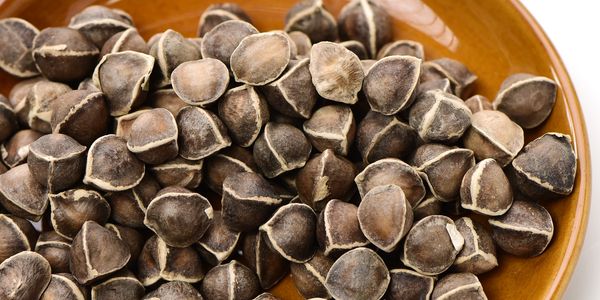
x: 183, y: 168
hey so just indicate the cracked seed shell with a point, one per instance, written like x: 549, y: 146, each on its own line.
x: 406, y: 284
x: 392, y: 171
x: 546, y: 168
x: 248, y: 201
x: 201, y: 133
x: 82, y: 115
x: 443, y: 168
x: 123, y: 285
x: 64, y: 54
x: 70, y: 209
x: 527, y: 99
x: 41, y: 101
x: 128, y: 207
x: 358, y: 274
x: 379, y: 136
x: 24, y: 275
x: 106, y: 153
x: 153, y: 136
x: 218, y: 242
x: 18, y: 98
x: 17, y: 234
x: 8, y: 119
x: 525, y: 230
x: 244, y: 112
x: 223, y: 39
x: 485, y: 189
x: 280, y: 148
x: 123, y: 123
x: 200, y: 82
x: 218, y: 13
x: 478, y: 255
x: 269, y: 266
x: 179, y: 216
x: 15, y: 150
x: 160, y: 261
x: 179, y: 172
x: 331, y: 127
x: 64, y: 286
x: 124, y: 94
x: 55, y: 249
x: 402, y: 47
x: 365, y: 21
x: 337, y: 73
x: 431, y: 245
x: 494, y: 135
x: 99, y: 23
x: 56, y: 161
x: 293, y: 94
x: 338, y: 228
x: 390, y: 84
x: 170, y: 51
x: 311, y: 18
x: 96, y: 252
x: 385, y: 216
x: 439, y: 117
x: 127, y: 40
x: 460, y: 77
x: 16, y: 41
x: 309, y: 277
x: 260, y: 58
x: 292, y: 220
x: 228, y: 162
x: 230, y: 281
x: 22, y: 195
x: 326, y: 176
x: 458, y: 286
x: 478, y: 103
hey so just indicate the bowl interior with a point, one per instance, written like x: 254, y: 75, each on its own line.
x: 493, y: 38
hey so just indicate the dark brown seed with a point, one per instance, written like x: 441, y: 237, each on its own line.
x: 179, y: 216
x: 485, y: 189
x: 309, y: 277
x: 311, y: 18
x: 71, y: 209
x: 128, y: 207
x: 127, y: 40
x: 132, y: 237
x: 228, y: 162
x: 478, y: 255
x: 55, y: 249
x: 547, y: 166
x: 390, y: 85
x: 16, y: 149
x: 526, y: 99
x: 458, y: 286
x: 385, y: 216
x: 218, y: 242
x: 280, y: 148
x: 331, y: 127
x: 99, y: 23
x: 153, y: 136
x: 24, y: 276
x: 16, y: 41
x: 167, y: 99
x: 82, y: 115
x: 179, y: 172
x: 17, y: 235
x: 200, y: 82
x: 380, y: 136
x: 336, y: 72
x: 18, y: 98
x: 201, y: 133
x: 431, y: 245
x: 244, y: 112
x: 409, y: 285
x: 269, y: 266
x: 221, y: 41
x: 64, y: 286
x: 216, y: 14
x: 338, y: 228
x: 303, y: 43
x: 57, y: 161
x: 460, y: 77
x: 107, y: 152
x: 41, y: 101
x: 402, y: 47
x: 358, y: 274
x: 525, y: 230
x: 123, y: 285
x: 124, y: 93
x: 22, y: 195
x: 357, y: 48
x: 429, y: 206
x: 436, y: 84
x: 8, y: 119
x: 230, y: 281
x: 64, y: 54
x: 478, y: 103
x: 124, y: 122
x: 292, y: 220
x: 392, y: 171
x: 260, y: 58
x: 174, y: 290
x: 494, y: 135
x: 96, y: 252
x: 293, y: 94
x: 326, y: 176
x: 248, y: 201
x: 365, y: 21
x: 88, y: 84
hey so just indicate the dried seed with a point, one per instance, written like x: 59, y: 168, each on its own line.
x: 124, y: 122
x: 18, y: 235
x: 338, y: 228
x: 302, y: 41
x: 216, y: 14
x: 71, y: 209
x: 244, y: 112
x: 331, y: 127
x: 460, y: 77
x: 260, y: 58
x: 41, y: 101
x: 153, y: 136
x: 8, y: 119
x: 429, y: 206
x: 16, y: 149
x: 230, y: 281
x: 200, y: 82
x: 280, y: 148
x: 485, y: 189
x: 380, y: 136
x: 16, y: 41
x: 478, y: 255
x: 311, y: 18
x: 478, y: 103
x: 24, y: 276
x: 18, y: 98
x: 228, y: 162
x: 123, y: 285
x: 458, y: 286
x: 357, y: 48
x: 167, y: 99
x: 270, y: 266
x: 99, y: 23
x: 55, y: 249
x: 201, y: 133
x: 223, y: 39
x: 218, y: 242
x: 128, y: 207
x: 64, y: 286
x: 409, y: 285
x: 127, y: 40
x: 365, y: 21
x: 179, y: 172
x: 309, y: 277
x: 170, y: 51
x: 22, y: 195
x: 132, y: 237
x: 402, y: 47
x: 174, y: 290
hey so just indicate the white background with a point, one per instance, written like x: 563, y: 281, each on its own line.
x: 574, y: 28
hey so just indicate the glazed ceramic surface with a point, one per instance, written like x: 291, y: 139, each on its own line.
x: 494, y: 38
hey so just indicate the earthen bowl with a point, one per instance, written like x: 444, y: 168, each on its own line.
x: 494, y: 38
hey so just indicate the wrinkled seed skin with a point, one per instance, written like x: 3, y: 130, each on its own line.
x: 16, y: 38
x: 24, y: 276
x: 260, y: 58
x: 379, y: 136
x: 201, y: 133
x: 13, y: 230
x: 65, y: 287
x: 82, y: 115
x: 22, y: 195
x: 478, y: 240
x: 72, y: 208
x: 55, y: 249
